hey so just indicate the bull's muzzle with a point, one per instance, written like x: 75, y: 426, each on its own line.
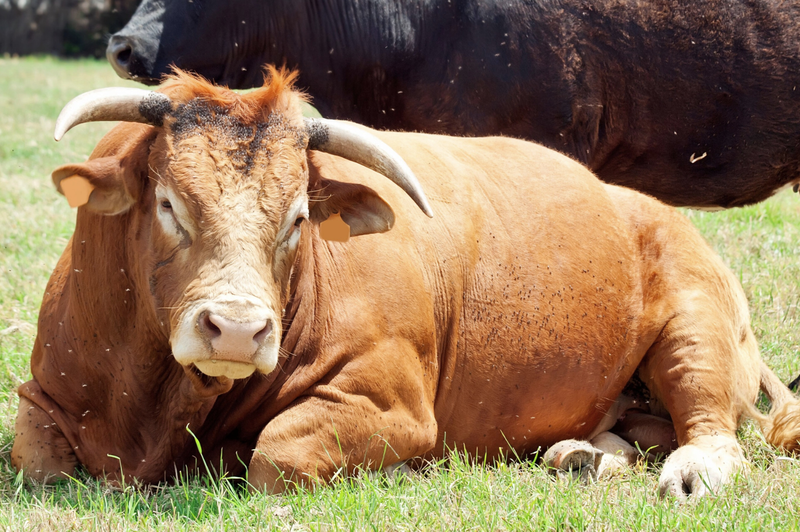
x: 231, y: 338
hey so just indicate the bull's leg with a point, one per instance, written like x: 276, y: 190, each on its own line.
x: 704, y: 367
x: 368, y: 417
x: 40, y: 450
x: 580, y: 458
x: 314, y: 441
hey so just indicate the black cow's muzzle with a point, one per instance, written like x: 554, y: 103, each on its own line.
x: 121, y: 53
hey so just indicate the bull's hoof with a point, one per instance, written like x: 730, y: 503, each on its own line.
x: 397, y: 471
x: 700, y: 468
x: 573, y: 459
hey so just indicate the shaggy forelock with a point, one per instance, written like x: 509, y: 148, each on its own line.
x: 217, y: 139
x: 277, y: 94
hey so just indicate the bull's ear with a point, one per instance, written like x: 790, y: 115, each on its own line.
x: 98, y: 183
x: 360, y: 207
x: 113, y: 179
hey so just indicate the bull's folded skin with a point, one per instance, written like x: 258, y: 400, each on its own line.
x: 196, y: 292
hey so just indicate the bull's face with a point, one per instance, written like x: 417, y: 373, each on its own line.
x: 229, y: 202
x: 220, y: 204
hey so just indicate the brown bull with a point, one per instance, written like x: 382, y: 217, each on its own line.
x: 196, y: 291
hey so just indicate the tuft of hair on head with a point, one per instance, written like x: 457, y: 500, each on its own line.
x: 278, y: 93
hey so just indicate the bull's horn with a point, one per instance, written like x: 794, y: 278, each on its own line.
x: 345, y: 140
x: 113, y: 104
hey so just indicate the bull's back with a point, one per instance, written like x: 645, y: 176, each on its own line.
x: 534, y: 281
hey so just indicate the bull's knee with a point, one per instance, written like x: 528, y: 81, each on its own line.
x: 40, y: 449
x: 266, y: 476
x: 270, y: 476
x: 274, y: 470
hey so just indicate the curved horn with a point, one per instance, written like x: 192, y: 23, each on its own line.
x: 113, y: 104
x: 345, y: 140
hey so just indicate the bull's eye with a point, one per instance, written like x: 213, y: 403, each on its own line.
x: 299, y: 221
x: 166, y: 205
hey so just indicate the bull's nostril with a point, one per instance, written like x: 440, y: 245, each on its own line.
x: 208, y: 326
x: 261, y: 335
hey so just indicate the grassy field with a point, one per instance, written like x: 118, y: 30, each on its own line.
x: 759, y: 243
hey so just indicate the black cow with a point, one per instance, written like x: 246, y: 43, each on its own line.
x: 694, y: 102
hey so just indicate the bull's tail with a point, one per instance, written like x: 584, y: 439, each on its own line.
x: 781, y: 426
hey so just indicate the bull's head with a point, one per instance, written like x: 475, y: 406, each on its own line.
x: 221, y: 187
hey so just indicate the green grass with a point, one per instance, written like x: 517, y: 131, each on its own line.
x: 759, y: 243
